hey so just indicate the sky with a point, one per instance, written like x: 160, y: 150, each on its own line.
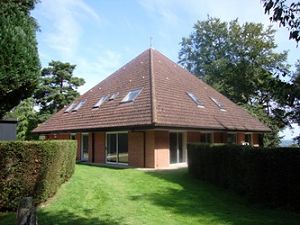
x: 99, y: 36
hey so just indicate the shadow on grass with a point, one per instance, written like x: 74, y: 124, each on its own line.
x: 62, y: 218
x: 201, y: 200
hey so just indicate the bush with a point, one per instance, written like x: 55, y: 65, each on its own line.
x: 270, y: 176
x: 35, y: 168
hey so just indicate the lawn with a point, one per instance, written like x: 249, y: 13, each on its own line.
x: 108, y: 196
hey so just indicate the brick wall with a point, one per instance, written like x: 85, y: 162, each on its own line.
x: 162, y: 153
x: 240, y: 138
x: 150, y: 146
x: 78, y: 138
x: 136, y: 149
x: 99, y: 142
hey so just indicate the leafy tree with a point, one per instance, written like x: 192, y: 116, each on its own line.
x: 287, y: 14
x: 19, y: 61
x: 27, y: 119
x: 57, y: 87
x: 240, y: 62
x: 295, y: 92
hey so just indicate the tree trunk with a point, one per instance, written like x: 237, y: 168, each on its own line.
x: 26, y: 213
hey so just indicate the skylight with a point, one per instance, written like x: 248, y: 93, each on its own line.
x: 132, y: 95
x: 220, y: 105
x: 81, y: 103
x: 101, y: 101
x: 195, y: 99
x: 113, y: 96
x: 70, y: 108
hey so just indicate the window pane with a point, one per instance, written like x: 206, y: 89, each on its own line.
x: 132, y: 95
x: 123, y: 148
x: 231, y: 138
x: 111, y: 148
x: 85, y: 146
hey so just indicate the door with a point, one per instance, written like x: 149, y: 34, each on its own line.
x: 117, y: 147
x: 176, y: 147
x: 85, y: 147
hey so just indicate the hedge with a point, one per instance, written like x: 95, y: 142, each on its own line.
x: 270, y: 176
x: 35, y: 168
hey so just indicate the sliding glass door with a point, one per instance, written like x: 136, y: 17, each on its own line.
x: 176, y: 147
x: 117, y: 147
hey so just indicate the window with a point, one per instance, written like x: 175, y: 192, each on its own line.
x: 70, y: 108
x: 81, y: 103
x: 248, y: 139
x: 231, y: 138
x: 221, y: 106
x: 113, y: 96
x: 101, y: 101
x: 73, y: 136
x: 205, y: 137
x: 195, y: 99
x: 132, y: 95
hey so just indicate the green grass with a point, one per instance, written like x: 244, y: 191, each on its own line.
x: 108, y: 196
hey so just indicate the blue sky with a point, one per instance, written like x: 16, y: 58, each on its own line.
x: 99, y: 36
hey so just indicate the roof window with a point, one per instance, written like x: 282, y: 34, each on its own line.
x: 101, y: 101
x: 195, y: 99
x: 78, y: 106
x: 113, y: 96
x: 131, y: 96
x: 70, y: 108
x: 220, y: 105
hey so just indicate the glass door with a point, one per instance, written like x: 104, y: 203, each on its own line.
x: 176, y: 148
x: 85, y: 147
x: 117, y: 147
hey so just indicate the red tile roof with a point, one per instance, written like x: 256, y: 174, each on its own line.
x: 163, y: 102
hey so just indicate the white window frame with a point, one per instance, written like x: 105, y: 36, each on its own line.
x: 195, y: 99
x: 218, y: 103
x: 236, y: 137
x: 126, y: 98
x: 101, y: 101
x: 79, y: 105
x: 69, y: 109
x: 113, y: 96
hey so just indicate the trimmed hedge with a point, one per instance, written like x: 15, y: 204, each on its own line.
x: 270, y: 176
x: 35, y: 168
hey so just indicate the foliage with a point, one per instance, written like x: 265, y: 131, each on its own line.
x: 33, y: 169
x: 57, y: 87
x: 239, y: 61
x: 286, y: 14
x: 295, y: 93
x: 27, y: 119
x: 112, y: 196
x: 19, y: 61
x: 271, y: 176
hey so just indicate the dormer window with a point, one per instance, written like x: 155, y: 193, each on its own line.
x: 220, y: 105
x: 131, y: 96
x: 113, y: 96
x: 195, y: 99
x: 101, y: 101
x: 70, y: 108
x: 81, y: 103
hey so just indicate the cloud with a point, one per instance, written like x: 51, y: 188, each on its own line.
x: 64, y: 17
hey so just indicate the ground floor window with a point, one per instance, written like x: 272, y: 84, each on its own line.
x: 176, y: 147
x: 231, y: 138
x: 248, y: 139
x: 117, y: 147
x: 85, y: 147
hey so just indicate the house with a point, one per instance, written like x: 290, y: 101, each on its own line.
x: 8, y: 129
x: 146, y: 113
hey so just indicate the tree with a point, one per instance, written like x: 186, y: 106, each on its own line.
x: 27, y: 119
x: 19, y: 61
x: 287, y: 14
x: 57, y: 87
x: 295, y: 92
x: 240, y: 62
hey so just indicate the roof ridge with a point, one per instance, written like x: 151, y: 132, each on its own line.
x: 152, y: 88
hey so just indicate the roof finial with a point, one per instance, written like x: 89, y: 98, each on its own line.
x: 150, y: 42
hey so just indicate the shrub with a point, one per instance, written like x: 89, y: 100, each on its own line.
x: 35, y: 168
x: 270, y: 176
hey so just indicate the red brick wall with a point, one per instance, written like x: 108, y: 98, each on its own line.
x: 219, y: 137
x: 240, y: 138
x: 99, y: 147
x: 150, y: 146
x: 255, y: 139
x: 136, y: 149
x: 162, y: 153
x: 193, y: 137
